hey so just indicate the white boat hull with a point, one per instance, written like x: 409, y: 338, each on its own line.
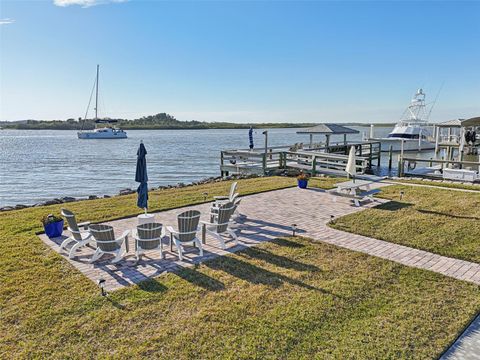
x: 408, y: 144
x: 97, y: 135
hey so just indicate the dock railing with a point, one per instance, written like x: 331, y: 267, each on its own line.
x: 246, y: 161
x: 408, y: 164
x: 329, y: 159
x: 315, y: 162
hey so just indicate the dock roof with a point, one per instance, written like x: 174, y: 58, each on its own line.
x: 450, y: 123
x: 475, y: 121
x: 328, y: 129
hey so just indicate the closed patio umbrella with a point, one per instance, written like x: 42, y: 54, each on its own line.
x: 250, y: 137
x: 142, y: 178
x: 351, y: 168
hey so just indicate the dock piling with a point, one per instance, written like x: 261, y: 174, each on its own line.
x: 314, y: 166
x: 379, y: 154
x: 390, y: 155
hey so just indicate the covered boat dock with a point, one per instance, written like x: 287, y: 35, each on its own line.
x: 317, y: 158
x: 459, y: 135
x: 328, y: 130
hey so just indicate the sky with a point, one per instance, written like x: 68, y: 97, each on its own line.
x: 239, y: 61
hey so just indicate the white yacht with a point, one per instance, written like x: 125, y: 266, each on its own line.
x: 412, y: 132
x: 108, y: 131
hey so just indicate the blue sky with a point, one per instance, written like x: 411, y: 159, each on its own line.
x: 239, y: 61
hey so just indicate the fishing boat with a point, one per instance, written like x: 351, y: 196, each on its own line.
x: 412, y: 132
x: 108, y: 131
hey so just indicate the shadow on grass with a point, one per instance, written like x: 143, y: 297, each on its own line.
x: 431, y: 212
x: 200, y: 279
x: 152, y: 285
x: 287, y: 243
x: 256, y: 275
x: 393, y: 206
x: 277, y: 260
x: 116, y: 304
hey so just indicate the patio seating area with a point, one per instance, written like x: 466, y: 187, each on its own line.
x: 262, y: 217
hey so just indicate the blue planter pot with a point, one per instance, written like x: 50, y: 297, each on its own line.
x: 302, y: 184
x: 54, y: 229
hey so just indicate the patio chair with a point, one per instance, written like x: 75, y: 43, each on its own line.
x: 80, y: 238
x: 107, y: 243
x: 220, y: 224
x: 187, y: 231
x: 148, y: 237
x: 222, y: 199
x: 236, y: 213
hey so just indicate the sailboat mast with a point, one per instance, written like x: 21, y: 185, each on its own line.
x: 96, y: 96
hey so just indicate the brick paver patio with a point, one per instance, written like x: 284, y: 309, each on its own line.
x: 266, y: 216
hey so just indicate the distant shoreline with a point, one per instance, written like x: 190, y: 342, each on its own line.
x: 233, y: 127
x: 160, y: 121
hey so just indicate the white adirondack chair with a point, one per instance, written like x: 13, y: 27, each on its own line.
x: 80, y: 238
x: 107, y: 243
x: 187, y: 231
x: 219, y: 200
x: 148, y: 237
x: 236, y: 202
x: 220, y: 224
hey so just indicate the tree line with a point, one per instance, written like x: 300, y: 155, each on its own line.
x: 158, y: 121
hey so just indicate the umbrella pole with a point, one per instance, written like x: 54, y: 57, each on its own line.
x: 145, y: 210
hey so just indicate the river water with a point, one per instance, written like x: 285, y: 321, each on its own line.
x: 39, y: 165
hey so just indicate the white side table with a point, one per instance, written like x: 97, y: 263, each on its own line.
x: 146, y: 219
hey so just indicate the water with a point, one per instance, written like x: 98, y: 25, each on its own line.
x: 39, y: 165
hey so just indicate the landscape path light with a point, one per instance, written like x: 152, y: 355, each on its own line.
x: 101, y: 285
x: 294, y: 229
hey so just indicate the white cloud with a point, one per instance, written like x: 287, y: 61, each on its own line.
x: 85, y: 3
x: 6, y: 21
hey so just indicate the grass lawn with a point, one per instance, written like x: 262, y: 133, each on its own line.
x: 475, y: 187
x: 440, y: 221
x: 291, y: 298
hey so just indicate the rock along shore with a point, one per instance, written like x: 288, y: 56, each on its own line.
x: 126, y: 191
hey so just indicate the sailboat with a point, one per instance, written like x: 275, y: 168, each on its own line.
x: 411, y: 133
x: 108, y: 131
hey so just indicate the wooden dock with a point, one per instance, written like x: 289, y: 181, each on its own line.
x: 466, y: 171
x: 329, y: 159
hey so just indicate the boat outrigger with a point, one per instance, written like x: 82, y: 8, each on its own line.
x: 108, y: 131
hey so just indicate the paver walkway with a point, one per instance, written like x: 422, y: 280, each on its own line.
x: 433, y: 186
x: 467, y: 347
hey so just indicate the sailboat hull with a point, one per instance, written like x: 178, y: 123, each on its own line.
x: 102, y: 135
